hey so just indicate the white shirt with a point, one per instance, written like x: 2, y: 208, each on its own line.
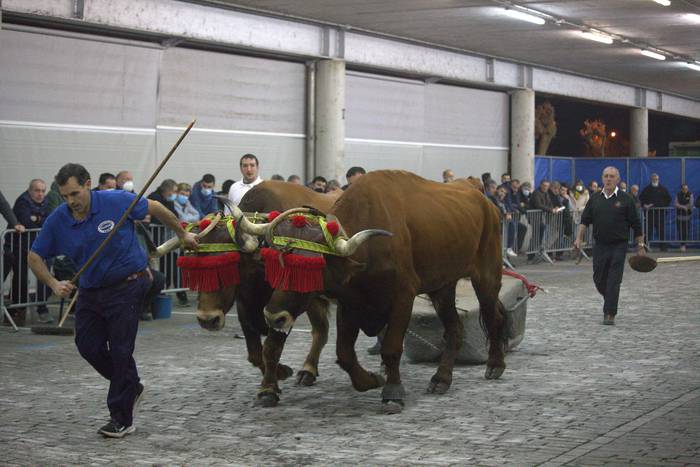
x: 239, y: 189
x: 614, y: 193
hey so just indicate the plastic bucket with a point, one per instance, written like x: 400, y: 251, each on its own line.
x: 162, y: 306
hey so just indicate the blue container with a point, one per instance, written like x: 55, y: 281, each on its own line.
x: 162, y: 306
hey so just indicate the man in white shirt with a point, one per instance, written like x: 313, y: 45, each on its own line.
x: 249, y: 170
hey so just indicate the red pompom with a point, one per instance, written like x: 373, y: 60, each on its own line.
x: 184, y: 224
x: 333, y: 228
x: 299, y: 221
x: 204, y: 223
x: 271, y: 216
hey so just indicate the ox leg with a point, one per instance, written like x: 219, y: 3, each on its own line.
x: 268, y: 394
x: 318, y: 316
x: 393, y: 392
x: 253, y: 342
x: 362, y: 380
x: 492, y: 315
x: 444, y: 304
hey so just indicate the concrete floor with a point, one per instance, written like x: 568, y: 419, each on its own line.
x: 575, y: 392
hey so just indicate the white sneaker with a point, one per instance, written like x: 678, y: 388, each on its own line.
x: 511, y: 253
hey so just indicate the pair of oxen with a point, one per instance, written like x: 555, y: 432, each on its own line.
x: 391, y: 236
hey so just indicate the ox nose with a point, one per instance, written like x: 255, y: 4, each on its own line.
x: 209, y: 324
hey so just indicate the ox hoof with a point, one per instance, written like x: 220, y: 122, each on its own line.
x: 494, y: 372
x: 284, y: 372
x: 267, y: 399
x: 392, y: 406
x: 305, y: 378
x: 438, y: 387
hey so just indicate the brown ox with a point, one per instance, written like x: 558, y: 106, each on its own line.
x: 441, y: 233
x: 253, y: 293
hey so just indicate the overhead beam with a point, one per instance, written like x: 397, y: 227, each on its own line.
x: 288, y: 37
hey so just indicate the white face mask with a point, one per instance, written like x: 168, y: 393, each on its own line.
x: 654, y: 184
x: 526, y: 192
x: 128, y: 186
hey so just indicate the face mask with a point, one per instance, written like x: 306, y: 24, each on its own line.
x: 207, y: 191
x: 579, y: 188
x: 654, y: 184
x: 172, y: 197
x: 526, y: 192
x: 182, y: 199
x: 623, y: 189
x: 128, y: 186
x: 108, y: 189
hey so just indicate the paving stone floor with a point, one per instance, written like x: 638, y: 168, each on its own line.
x: 575, y: 392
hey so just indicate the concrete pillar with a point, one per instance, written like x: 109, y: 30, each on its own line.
x: 330, y: 119
x: 639, y: 132
x: 522, y: 135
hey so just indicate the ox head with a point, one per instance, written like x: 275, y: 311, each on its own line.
x: 213, y: 270
x: 300, y: 244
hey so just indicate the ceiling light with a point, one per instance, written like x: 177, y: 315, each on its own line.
x: 523, y: 16
x: 594, y: 36
x: 650, y: 54
x: 693, y: 66
x: 692, y: 17
x: 663, y: 2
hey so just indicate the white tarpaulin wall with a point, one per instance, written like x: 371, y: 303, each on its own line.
x: 424, y: 128
x: 119, y: 105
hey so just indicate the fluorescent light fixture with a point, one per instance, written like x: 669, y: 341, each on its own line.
x: 693, y: 66
x: 663, y: 2
x: 692, y: 17
x: 650, y: 54
x: 594, y: 36
x: 523, y: 16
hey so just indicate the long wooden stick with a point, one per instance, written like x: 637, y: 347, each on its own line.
x: 131, y: 207
x: 673, y: 259
x: 70, y: 307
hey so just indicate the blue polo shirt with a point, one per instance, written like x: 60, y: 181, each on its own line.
x: 62, y: 234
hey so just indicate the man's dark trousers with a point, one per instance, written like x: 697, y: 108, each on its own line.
x: 608, y: 266
x: 106, y: 321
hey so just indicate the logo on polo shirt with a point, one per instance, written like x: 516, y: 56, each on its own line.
x: 105, y: 226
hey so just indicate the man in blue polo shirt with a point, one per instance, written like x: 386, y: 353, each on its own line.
x: 112, y: 289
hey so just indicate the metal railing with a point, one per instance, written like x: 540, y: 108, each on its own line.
x: 549, y: 233
x: 20, y: 289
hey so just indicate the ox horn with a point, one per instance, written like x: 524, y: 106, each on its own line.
x: 174, y: 242
x: 349, y: 247
x: 249, y: 230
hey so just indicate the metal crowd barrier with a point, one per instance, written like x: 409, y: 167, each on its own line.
x: 549, y: 233
x: 22, y: 287
x: 668, y: 225
x: 539, y: 234
x: 168, y: 263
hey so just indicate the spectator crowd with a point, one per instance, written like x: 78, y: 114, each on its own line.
x: 527, y: 214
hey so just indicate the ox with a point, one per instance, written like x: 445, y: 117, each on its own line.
x: 253, y: 293
x: 441, y: 233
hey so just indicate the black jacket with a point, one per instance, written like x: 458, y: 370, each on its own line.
x: 540, y: 200
x: 30, y: 214
x: 157, y: 196
x: 658, y: 196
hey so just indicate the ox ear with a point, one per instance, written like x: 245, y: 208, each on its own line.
x: 346, y: 270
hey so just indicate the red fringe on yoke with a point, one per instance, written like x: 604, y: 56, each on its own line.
x: 210, y: 273
x: 293, y: 272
